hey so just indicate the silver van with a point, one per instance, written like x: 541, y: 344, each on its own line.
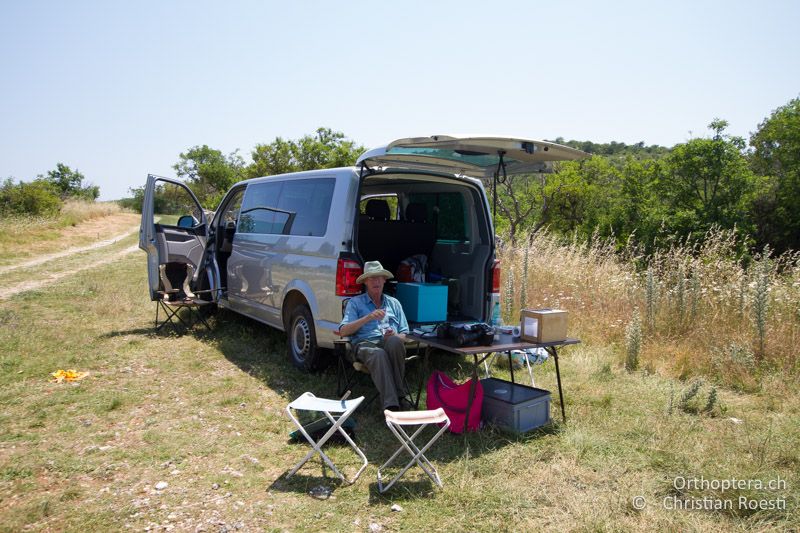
x: 286, y: 250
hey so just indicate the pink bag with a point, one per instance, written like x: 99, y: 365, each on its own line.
x: 445, y: 393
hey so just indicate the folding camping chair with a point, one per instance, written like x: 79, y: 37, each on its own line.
x: 348, y: 368
x: 396, y: 420
x: 172, y: 300
x: 344, y: 408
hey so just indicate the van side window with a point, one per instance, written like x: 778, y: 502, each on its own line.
x: 310, y: 202
x: 231, y: 214
x: 258, y: 208
x: 447, y: 210
x: 296, y: 207
x: 173, y: 202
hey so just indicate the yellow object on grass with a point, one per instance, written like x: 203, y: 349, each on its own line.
x: 60, y: 376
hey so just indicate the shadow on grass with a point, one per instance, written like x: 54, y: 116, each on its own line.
x: 404, y: 489
x: 319, y: 487
x: 181, y: 325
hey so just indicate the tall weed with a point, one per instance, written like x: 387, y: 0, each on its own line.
x: 633, y: 338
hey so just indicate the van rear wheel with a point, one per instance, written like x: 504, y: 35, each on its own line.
x: 302, y: 341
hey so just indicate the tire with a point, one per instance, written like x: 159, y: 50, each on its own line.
x: 301, y: 342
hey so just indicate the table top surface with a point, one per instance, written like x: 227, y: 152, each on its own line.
x: 504, y: 344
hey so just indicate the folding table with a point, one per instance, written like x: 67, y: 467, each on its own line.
x: 480, y: 353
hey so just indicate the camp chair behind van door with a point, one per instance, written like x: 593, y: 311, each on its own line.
x: 172, y: 300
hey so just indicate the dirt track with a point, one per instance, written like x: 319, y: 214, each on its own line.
x: 64, y: 253
x: 41, y: 278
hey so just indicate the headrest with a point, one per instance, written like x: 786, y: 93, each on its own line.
x: 416, y: 212
x: 377, y: 209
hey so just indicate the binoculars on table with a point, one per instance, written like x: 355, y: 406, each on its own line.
x: 479, y: 334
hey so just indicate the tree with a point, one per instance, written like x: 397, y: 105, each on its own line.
x: 707, y: 182
x: 618, y: 152
x: 325, y: 149
x: 274, y: 158
x: 37, y: 198
x: 209, y: 173
x: 69, y: 183
x: 584, y: 195
x: 522, y: 204
x: 776, y: 155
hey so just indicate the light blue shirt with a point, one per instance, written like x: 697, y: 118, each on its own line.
x: 362, y: 305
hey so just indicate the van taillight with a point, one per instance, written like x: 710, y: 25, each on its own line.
x: 347, y: 272
x: 496, y: 277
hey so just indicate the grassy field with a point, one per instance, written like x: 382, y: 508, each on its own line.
x: 204, y: 413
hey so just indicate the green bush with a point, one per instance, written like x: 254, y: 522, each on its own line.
x: 134, y: 204
x: 37, y: 198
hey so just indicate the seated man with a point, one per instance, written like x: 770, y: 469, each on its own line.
x: 376, y: 325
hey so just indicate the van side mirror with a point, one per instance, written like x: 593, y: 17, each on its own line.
x: 187, y: 221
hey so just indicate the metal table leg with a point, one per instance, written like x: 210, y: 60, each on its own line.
x: 554, y: 353
x: 472, y: 386
x: 424, y: 373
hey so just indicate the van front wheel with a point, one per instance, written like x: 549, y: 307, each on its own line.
x: 302, y: 340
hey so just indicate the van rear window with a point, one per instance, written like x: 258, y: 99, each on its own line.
x: 295, y: 207
x: 447, y: 209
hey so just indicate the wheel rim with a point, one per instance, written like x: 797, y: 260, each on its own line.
x: 301, y: 338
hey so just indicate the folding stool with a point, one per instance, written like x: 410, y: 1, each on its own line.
x: 396, y: 420
x: 344, y: 408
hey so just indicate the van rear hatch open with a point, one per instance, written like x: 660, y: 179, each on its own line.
x: 473, y: 156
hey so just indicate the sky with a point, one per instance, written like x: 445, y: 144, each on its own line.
x: 119, y: 89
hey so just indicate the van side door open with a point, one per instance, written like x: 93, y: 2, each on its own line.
x: 174, y: 228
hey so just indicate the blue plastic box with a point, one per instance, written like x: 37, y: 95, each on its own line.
x: 423, y: 302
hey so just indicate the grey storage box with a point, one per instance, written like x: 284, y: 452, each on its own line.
x: 514, y: 407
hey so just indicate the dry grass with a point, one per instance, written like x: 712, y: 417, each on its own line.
x: 700, y: 315
x: 75, y: 211
x: 72, y: 212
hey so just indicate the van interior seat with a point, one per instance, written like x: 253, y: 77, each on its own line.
x: 424, y: 232
x: 375, y: 232
x: 391, y: 241
x: 416, y: 212
x: 377, y: 209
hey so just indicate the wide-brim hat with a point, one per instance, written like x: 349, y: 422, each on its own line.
x: 374, y: 269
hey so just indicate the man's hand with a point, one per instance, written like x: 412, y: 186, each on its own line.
x: 353, y: 327
x: 377, y: 314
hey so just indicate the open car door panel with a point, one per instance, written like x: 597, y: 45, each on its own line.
x: 174, y: 228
